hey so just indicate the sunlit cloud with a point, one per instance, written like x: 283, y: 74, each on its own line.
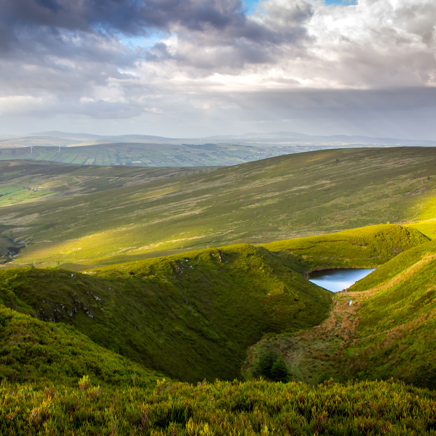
x: 166, y: 63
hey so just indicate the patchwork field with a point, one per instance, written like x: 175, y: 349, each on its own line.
x: 151, y: 154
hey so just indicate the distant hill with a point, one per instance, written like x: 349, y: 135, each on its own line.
x: 157, y: 151
x: 145, y: 154
x: 258, y: 202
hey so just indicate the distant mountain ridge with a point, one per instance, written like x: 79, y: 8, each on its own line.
x: 56, y: 138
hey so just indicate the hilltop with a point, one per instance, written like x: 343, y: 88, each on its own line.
x: 274, y: 199
x: 107, y: 398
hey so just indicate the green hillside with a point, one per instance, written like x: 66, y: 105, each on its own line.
x: 388, y: 330
x: 365, y: 247
x: 397, y: 319
x: 35, y: 351
x: 24, y: 181
x: 189, y: 316
x: 280, y: 198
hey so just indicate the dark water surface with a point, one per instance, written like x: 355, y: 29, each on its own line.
x: 336, y: 280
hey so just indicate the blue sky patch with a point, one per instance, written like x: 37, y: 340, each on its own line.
x: 251, y: 4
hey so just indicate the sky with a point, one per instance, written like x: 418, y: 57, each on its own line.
x: 192, y: 68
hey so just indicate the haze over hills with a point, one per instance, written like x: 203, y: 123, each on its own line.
x: 75, y: 139
x: 152, y: 151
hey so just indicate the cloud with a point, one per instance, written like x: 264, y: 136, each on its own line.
x: 127, y: 16
x: 287, y: 59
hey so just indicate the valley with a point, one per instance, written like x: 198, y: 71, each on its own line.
x: 258, y: 202
x: 147, y: 300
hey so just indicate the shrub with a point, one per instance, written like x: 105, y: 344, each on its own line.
x: 279, y: 371
x: 273, y: 367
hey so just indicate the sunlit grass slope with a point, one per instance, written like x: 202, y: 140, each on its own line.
x: 279, y: 198
x: 384, y: 326
x: 221, y: 408
x: 397, y: 319
x: 24, y: 181
x: 37, y: 351
x: 190, y: 316
x: 365, y: 247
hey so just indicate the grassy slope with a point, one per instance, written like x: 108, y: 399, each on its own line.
x: 366, y: 247
x: 35, y: 351
x: 221, y: 408
x: 190, y: 316
x: 279, y: 198
x: 387, y: 331
x: 396, y: 332
x: 24, y: 181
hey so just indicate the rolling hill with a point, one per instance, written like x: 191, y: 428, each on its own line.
x: 201, y: 295
x: 258, y: 202
x: 189, y: 316
x: 87, y: 353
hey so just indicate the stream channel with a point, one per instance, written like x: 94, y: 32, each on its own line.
x: 336, y: 280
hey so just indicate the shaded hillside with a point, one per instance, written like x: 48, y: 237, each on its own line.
x: 279, y: 198
x: 365, y: 247
x: 383, y: 326
x: 190, y: 316
x: 37, y: 351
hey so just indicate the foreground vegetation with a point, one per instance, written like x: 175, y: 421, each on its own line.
x: 35, y: 351
x: 221, y: 408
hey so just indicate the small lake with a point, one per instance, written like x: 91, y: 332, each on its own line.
x: 336, y: 280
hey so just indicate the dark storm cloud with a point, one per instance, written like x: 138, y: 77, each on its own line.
x: 127, y: 16
x: 222, y: 19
